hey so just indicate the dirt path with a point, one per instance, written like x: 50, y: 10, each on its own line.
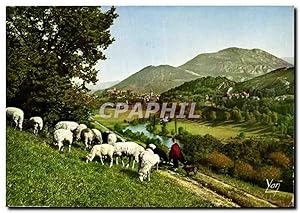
x: 200, y: 190
x: 219, y: 193
x: 238, y: 195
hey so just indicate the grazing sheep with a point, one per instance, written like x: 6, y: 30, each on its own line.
x: 36, y: 123
x: 109, y: 137
x: 16, y: 115
x: 162, y: 154
x: 62, y: 135
x: 147, y: 160
x: 128, y: 149
x: 97, y: 136
x: 78, y: 130
x: 91, y: 137
x: 102, y: 150
x: 87, y: 135
x: 69, y: 125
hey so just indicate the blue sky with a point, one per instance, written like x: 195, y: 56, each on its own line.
x: 173, y: 35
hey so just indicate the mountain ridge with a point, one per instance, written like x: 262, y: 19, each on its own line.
x: 234, y: 63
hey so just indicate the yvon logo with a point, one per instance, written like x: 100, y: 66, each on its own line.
x: 272, y: 187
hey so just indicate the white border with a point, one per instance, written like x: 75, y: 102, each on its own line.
x: 105, y: 3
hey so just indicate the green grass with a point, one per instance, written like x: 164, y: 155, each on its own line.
x: 110, y: 122
x: 38, y: 175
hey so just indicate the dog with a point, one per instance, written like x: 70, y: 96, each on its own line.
x: 190, y: 169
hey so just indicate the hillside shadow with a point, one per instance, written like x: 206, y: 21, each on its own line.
x: 129, y: 172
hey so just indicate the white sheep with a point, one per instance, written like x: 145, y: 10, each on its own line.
x: 16, y: 115
x: 77, y: 131
x: 61, y: 135
x: 97, y: 136
x: 128, y: 149
x: 112, y: 139
x: 90, y: 137
x: 147, y: 160
x: 87, y: 135
x: 69, y: 125
x: 102, y: 150
x: 37, y: 124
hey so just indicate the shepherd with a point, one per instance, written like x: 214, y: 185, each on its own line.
x: 176, y: 154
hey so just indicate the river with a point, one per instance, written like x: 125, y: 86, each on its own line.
x: 142, y: 128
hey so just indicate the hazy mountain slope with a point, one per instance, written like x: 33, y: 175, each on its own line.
x: 156, y: 78
x: 102, y: 85
x: 235, y: 63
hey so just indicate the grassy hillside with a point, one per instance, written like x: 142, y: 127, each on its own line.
x: 38, y: 175
x: 198, y: 89
x: 234, y: 63
x: 281, y: 80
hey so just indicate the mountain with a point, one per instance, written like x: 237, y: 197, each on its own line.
x: 155, y: 78
x: 275, y: 83
x: 233, y: 63
x: 289, y: 60
x: 102, y: 85
x: 281, y: 81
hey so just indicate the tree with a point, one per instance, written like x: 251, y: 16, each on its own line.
x: 49, y: 47
x: 164, y: 130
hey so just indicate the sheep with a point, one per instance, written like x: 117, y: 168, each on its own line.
x: 91, y: 137
x: 61, y: 135
x: 16, y: 115
x: 161, y: 153
x: 147, y: 160
x: 69, y: 125
x: 101, y: 150
x: 97, y: 136
x: 129, y: 149
x: 87, y: 136
x: 36, y: 123
x: 77, y: 131
x: 109, y: 137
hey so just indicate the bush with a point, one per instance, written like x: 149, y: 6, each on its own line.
x: 118, y: 128
x: 236, y: 115
x: 241, y: 135
x: 220, y: 161
x: 227, y: 116
x: 268, y: 172
x: 243, y: 170
x: 279, y: 159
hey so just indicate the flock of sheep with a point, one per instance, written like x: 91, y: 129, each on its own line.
x: 70, y: 131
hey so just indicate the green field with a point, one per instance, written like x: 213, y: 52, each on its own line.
x: 110, y: 122
x: 38, y: 175
x: 222, y: 130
